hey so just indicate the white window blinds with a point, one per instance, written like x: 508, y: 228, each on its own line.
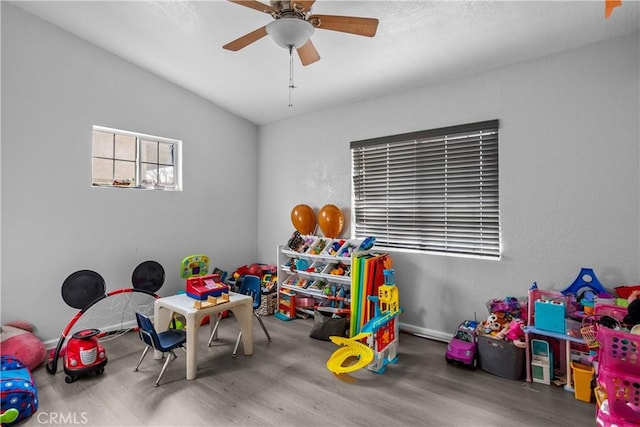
x: 434, y: 190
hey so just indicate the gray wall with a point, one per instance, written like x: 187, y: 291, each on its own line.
x: 569, y: 176
x: 54, y: 88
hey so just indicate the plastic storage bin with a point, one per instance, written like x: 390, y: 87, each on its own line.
x: 619, y: 350
x: 623, y: 393
x: 604, y: 419
x: 501, y: 358
x: 582, y: 376
x: 615, y: 311
x: 268, y: 304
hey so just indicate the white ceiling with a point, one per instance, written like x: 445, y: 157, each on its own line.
x: 418, y: 43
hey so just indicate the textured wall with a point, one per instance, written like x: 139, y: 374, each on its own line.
x: 569, y: 176
x: 54, y: 88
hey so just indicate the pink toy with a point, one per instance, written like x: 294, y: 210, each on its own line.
x: 463, y: 347
x: 514, y: 332
x: 17, y: 340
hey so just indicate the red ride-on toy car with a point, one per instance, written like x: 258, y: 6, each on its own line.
x: 84, y: 355
x: 463, y: 347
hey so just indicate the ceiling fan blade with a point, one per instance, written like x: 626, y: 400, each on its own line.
x: 246, y: 40
x: 260, y: 7
x: 346, y: 24
x: 308, y: 53
x: 303, y: 4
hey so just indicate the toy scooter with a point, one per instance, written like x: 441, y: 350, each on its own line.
x: 84, y: 355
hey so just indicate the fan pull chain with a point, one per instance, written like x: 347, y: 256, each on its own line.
x: 291, y: 86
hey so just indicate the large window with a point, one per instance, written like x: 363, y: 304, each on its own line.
x: 132, y: 160
x: 433, y: 190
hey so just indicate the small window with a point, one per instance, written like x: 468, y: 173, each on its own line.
x: 434, y: 190
x: 132, y: 160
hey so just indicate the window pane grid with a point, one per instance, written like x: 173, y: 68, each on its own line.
x: 435, y: 194
x: 122, y: 158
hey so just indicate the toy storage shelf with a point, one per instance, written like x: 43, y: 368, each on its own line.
x: 317, y: 276
x: 563, y: 337
x: 294, y: 254
x: 302, y: 282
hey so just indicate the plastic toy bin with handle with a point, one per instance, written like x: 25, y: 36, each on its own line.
x: 501, y: 358
x: 619, y: 350
x: 582, y: 376
x: 623, y: 393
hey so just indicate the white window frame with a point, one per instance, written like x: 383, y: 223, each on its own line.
x: 430, y: 191
x: 138, y: 181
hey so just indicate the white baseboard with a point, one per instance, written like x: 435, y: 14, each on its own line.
x: 52, y: 344
x: 410, y: 329
x: 425, y: 333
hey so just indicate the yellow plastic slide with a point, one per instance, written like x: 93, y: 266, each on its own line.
x: 351, y: 348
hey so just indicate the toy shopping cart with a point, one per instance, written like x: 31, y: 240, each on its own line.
x: 592, y: 323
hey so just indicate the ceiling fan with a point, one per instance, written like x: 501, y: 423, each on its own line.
x: 294, y: 24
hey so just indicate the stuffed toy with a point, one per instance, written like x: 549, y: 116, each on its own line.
x: 491, y: 326
x: 514, y: 332
x: 17, y: 340
x: 633, y: 310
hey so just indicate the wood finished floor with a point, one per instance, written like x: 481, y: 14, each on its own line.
x: 285, y: 383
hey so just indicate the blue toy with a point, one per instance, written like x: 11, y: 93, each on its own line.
x: 367, y: 243
x: 19, y: 393
x: 586, y: 279
x: 586, y: 288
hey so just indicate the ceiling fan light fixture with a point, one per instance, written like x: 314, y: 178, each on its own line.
x: 288, y: 32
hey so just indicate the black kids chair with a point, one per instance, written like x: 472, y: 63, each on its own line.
x: 166, y: 341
